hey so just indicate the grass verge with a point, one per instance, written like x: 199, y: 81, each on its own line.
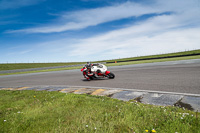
x: 184, y: 53
x: 15, y: 66
x: 43, y: 111
x: 156, y: 60
x: 47, y: 70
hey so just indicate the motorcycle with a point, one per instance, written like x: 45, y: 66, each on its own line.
x: 96, y: 71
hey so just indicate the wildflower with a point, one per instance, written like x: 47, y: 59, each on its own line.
x: 86, y: 126
x: 95, y: 128
x: 153, y: 131
x: 181, y: 117
x: 18, y: 112
x: 4, y: 120
x: 34, y: 96
x: 147, y: 131
x: 185, y: 114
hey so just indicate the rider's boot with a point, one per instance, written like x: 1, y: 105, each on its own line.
x: 87, y: 77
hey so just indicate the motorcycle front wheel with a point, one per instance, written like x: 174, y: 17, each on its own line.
x: 111, y: 76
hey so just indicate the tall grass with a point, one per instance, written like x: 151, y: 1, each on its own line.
x: 43, y: 111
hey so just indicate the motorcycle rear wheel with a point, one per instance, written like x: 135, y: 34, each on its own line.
x: 111, y: 76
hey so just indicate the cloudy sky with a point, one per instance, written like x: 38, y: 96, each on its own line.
x: 92, y: 30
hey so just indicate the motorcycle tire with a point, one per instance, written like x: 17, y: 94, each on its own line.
x: 111, y: 76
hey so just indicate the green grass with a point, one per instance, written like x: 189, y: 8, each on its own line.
x: 155, y: 60
x: 156, y: 56
x: 43, y: 111
x: 46, y: 70
x: 33, y: 65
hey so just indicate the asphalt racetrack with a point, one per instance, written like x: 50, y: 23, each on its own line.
x: 174, y: 76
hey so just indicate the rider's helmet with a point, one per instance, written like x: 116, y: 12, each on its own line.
x: 88, y: 65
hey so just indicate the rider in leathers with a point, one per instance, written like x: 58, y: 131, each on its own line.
x: 88, y: 72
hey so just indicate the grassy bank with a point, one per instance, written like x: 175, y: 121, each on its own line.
x: 46, y: 70
x: 43, y: 111
x: 192, y: 52
x: 152, y: 61
x: 15, y: 66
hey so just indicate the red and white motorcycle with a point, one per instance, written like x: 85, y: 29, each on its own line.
x: 96, y: 70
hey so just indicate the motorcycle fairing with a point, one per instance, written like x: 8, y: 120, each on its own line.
x: 107, y: 72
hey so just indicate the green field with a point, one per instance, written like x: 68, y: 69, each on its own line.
x: 43, y: 111
x: 14, y: 66
x: 46, y: 70
x: 155, y: 60
x: 157, y: 56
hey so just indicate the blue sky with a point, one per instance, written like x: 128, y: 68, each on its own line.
x: 92, y: 30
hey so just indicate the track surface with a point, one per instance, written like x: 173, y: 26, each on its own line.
x: 181, y: 76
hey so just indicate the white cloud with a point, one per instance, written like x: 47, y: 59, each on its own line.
x: 26, y: 51
x: 91, y: 17
x: 131, y: 45
x: 161, y: 34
